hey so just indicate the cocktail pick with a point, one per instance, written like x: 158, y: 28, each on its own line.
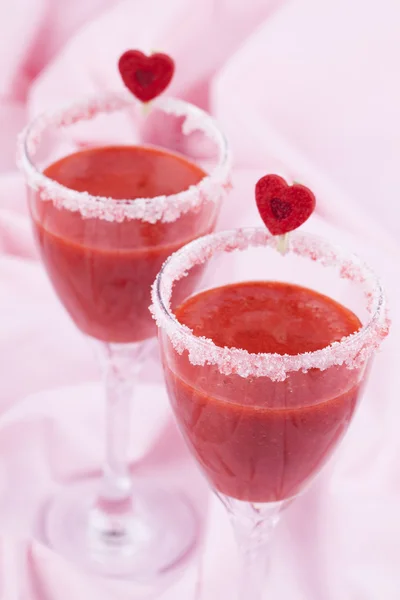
x: 146, y: 76
x: 283, y: 207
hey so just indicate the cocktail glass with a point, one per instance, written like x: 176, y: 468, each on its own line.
x: 261, y: 426
x: 102, y: 254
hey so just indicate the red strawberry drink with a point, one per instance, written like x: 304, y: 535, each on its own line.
x: 114, y: 188
x: 265, y: 368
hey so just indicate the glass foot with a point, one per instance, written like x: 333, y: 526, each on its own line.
x: 157, y: 537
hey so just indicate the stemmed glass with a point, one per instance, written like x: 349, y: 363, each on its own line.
x: 102, y: 254
x: 261, y: 426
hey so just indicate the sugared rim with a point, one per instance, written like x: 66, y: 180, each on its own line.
x: 161, y: 208
x: 353, y: 350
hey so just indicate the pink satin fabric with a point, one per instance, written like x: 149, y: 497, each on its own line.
x: 308, y: 88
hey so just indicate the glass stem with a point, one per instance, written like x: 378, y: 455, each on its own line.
x: 112, y: 512
x: 253, y: 526
x: 119, y: 386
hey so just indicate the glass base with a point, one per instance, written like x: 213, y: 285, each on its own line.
x: 158, y: 535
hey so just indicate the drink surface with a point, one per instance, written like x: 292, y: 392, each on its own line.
x: 256, y: 439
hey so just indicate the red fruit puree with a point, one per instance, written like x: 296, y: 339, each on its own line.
x: 259, y: 440
x: 101, y: 270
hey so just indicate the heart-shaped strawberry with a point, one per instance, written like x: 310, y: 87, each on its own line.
x: 283, y: 207
x: 146, y: 76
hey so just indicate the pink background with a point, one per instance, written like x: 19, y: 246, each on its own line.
x: 305, y: 87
